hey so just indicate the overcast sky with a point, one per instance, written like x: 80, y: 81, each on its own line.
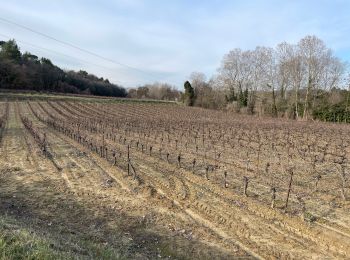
x: 166, y: 40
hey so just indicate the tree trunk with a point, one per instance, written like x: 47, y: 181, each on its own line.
x: 296, y: 102
x: 306, y: 103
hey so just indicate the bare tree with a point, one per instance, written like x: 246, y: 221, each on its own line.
x: 322, y: 69
x: 308, y: 69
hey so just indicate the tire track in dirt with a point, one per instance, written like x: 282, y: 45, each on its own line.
x: 148, y: 173
x: 183, y: 189
x: 268, y: 234
x: 289, y: 231
x: 212, y: 215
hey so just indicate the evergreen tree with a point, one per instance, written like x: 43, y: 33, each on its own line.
x: 245, y: 97
x: 10, y: 50
x: 189, y: 94
x: 231, y: 96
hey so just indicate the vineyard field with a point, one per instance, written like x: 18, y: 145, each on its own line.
x: 156, y: 180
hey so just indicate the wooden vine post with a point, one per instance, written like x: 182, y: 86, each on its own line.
x: 207, y: 172
x: 225, y: 179
x: 273, y: 197
x: 291, y: 172
x: 245, y: 185
x: 128, y: 158
x: 115, y: 158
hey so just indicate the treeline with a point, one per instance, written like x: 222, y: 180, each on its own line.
x: 159, y: 91
x: 302, y: 81
x: 26, y: 71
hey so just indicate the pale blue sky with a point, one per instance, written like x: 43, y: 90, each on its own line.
x: 167, y: 39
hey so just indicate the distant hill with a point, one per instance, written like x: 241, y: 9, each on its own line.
x: 26, y: 71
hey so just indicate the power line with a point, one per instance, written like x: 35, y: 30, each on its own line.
x: 75, y: 47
